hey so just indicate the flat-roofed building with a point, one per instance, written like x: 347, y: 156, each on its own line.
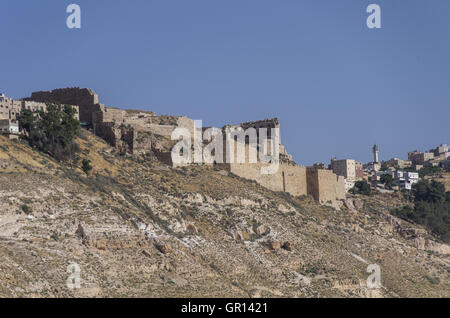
x: 347, y: 169
x: 9, y: 127
x: 9, y: 108
x: 399, y: 163
x: 34, y: 106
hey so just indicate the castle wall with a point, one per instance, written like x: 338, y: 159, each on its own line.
x: 139, y: 132
x: 324, y: 185
x: 85, y: 98
x: 288, y: 178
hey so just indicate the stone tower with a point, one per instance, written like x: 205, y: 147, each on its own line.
x: 375, y: 154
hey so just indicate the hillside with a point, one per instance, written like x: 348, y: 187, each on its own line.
x: 442, y: 178
x: 138, y: 228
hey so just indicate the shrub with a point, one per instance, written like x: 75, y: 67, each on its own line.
x: 86, y: 166
x: 387, y: 180
x: 431, y: 208
x: 429, y: 171
x: 26, y: 209
x: 52, y: 131
x: 362, y: 187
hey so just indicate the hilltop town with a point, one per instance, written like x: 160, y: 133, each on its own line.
x: 403, y: 174
x: 141, y: 132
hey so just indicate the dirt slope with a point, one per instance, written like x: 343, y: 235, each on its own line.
x: 138, y: 228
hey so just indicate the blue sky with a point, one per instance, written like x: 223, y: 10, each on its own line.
x: 336, y: 86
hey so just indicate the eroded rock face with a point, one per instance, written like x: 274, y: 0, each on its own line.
x: 163, y: 247
x: 429, y: 245
x: 418, y: 237
x: 353, y: 204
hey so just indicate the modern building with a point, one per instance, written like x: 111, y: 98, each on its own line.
x: 34, y: 106
x: 9, y: 127
x: 420, y: 158
x: 9, y: 108
x: 347, y: 169
x: 440, y: 150
x: 405, y: 180
x: 399, y: 163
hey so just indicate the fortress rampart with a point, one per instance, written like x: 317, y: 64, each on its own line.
x: 140, y: 132
x: 84, y: 98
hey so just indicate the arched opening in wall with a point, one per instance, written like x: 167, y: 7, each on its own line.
x: 284, y: 182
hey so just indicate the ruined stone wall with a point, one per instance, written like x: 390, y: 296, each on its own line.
x: 141, y: 131
x: 125, y: 138
x: 108, y: 132
x: 142, y: 143
x: 111, y: 115
x: 186, y: 122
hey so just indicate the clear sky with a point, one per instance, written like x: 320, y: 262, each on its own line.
x: 336, y: 86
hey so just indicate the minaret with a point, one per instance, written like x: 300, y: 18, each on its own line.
x: 375, y: 154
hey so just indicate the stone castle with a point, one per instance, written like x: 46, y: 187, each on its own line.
x: 141, y: 132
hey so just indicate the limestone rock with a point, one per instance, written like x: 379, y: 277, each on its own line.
x: 274, y: 245
x: 163, y: 247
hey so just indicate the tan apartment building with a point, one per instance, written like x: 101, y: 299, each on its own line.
x: 399, y: 163
x: 34, y: 106
x: 419, y: 158
x: 347, y: 169
x: 9, y: 108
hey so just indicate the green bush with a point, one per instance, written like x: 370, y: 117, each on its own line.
x: 362, y: 187
x: 86, y: 166
x: 26, y: 209
x: 430, y: 171
x: 387, y: 180
x: 431, y: 208
x: 52, y: 131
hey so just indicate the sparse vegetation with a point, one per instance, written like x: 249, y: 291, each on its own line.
x: 52, y: 131
x: 26, y: 209
x: 362, y: 187
x: 130, y: 223
x: 430, y: 171
x: 431, y: 208
x: 387, y: 180
x: 86, y: 166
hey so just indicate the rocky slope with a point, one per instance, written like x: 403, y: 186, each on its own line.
x: 137, y: 228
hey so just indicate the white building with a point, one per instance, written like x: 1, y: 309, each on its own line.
x: 8, y: 126
x: 406, y: 179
